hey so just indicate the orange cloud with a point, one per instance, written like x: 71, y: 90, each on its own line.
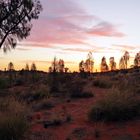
x: 45, y: 62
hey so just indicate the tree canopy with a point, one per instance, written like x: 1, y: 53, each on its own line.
x: 33, y: 67
x: 10, y: 66
x: 15, y: 20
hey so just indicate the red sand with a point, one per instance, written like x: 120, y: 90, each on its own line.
x: 79, y: 109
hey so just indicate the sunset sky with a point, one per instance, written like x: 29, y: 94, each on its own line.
x: 69, y: 29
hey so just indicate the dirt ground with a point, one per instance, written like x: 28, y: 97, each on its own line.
x: 79, y: 127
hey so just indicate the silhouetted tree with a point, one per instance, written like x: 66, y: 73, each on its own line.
x: 104, y: 66
x: 55, y: 65
x: 26, y: 72
x: 126, y: 58
x: 54, y: 81
x: 11, y: 72
x: 10, y: 66
x: 33, y: 72
x: 66, y: 70
x: 81, y: 66
x: 82, y: 69
x: 123, y: 64
x: 27, y: 67
x: 137, y: 60
x: 61, y: 65
x: 33, y: 67
x: 89, y: 63
x: 112, y: 64
x: 50, y: 70
x: 15, y: 20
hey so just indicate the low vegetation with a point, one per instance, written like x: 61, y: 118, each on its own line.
x: 116, y: 106
x: 76, y: 90
x: 12, y: 127
x: 102, y: 83
x: 43, y: 105
x: 13, y: 122
x: 4, y: 83
x: 116, y: 98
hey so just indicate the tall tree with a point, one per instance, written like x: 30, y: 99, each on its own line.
x: 82, y: 66
x: 61, y: 65
x: 12, y: 75
x: 27, y: 67
x: 33, y: 67
x: 123, y: 64
x: 15, y: 20
x: 126, y: 59
x: 55, y: 65
x: 112, y: 63
x: 89, y: 63
x: 137, y: 60
x: 10, y: 66
x: 104, y: 66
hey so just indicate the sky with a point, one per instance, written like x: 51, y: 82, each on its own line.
x: 69, y: 29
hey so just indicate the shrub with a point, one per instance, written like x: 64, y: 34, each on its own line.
x: 12, y: 106
x: 13, y: 123
x: 79, y: 133
x: 81, y: 94
x: 116, y: 106
x: 68, y: 118
x: 43, y: 105
x: 55, y: 122
x: 4, y: 93
x: 19, y: 82
x: 97, y: 133
x: 12, y: 127
x: 4, y: 83
x: 76, y: 89
x: 102, y: 83
x: 36, y: 94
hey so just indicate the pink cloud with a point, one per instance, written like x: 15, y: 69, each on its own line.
x: 124, y: 47
x: 53, y: 8
x: 65, y: 23
x: 33, y: 44
x: 105, y: 29
x: 77, y: 49
x: 56, y: 31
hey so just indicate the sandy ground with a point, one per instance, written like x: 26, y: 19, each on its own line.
x: 79, y: 128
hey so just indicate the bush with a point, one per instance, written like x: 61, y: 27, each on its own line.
x: 4, y: 83
x: 12, y: 106
x: 76, y: 89
x: 78, y: 133
x: 116, y: 106
x: 81, y: 95
x: 12, y: 127
x: 36, y: 94
x: 13, y: 123
x: 102, y: 83
x: 19, y: 82
x: 4, y: 93
x: 43, y: 106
